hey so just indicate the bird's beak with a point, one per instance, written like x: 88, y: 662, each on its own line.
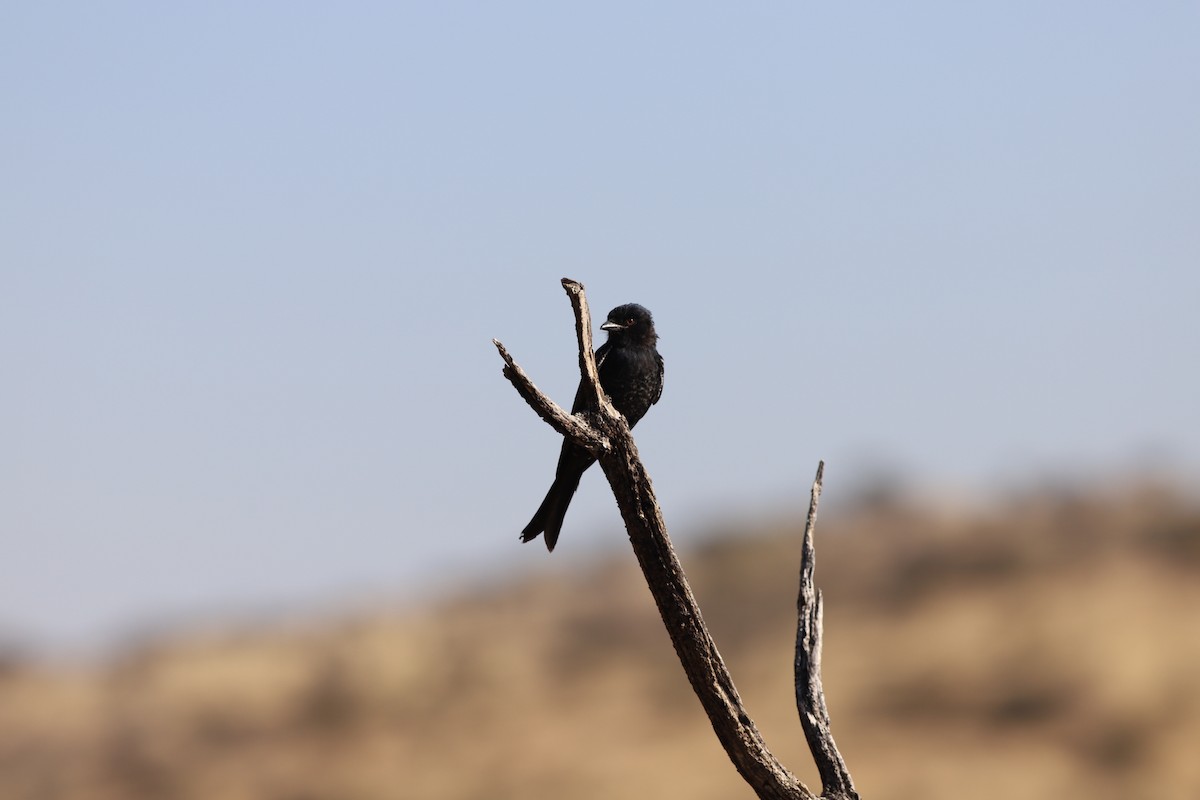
x: 612, y: 326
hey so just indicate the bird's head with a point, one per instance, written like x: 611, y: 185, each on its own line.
x: 630, y: 322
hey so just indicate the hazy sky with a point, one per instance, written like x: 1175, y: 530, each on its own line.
x: 252, y: 256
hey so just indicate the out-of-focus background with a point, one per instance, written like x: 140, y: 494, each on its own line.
x: 261, y: 480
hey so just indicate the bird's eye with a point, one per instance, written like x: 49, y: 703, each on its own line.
x: 629, y: 321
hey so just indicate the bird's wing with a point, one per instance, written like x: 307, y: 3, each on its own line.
x: 601, y: 352
x: 580, y: 402
x: 662, y: 371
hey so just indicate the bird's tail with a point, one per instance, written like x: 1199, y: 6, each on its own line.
x: 552, y: 511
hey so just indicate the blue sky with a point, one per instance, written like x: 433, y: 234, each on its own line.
x: 252, y: 257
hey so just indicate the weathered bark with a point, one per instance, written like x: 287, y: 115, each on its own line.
x: 605, y: 433
x: 810, y: 696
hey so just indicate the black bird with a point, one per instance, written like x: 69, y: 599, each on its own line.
x: 631, y: 374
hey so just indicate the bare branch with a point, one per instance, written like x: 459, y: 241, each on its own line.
x: 810, y: 696
x: 694, y: 645
x: 587, y: 357
x: 568, y: 425
x: 607, y: 435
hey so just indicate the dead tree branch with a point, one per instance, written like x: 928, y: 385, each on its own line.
x: 810, y: 696
x: 572, y: 426
x: 605, y: 433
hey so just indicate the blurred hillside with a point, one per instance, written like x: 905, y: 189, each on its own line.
x: 1047, y: 648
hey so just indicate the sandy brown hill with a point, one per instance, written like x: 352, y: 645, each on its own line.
x: 1052, y: 651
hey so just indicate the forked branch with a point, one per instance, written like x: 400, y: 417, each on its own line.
x: 606, y: 434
